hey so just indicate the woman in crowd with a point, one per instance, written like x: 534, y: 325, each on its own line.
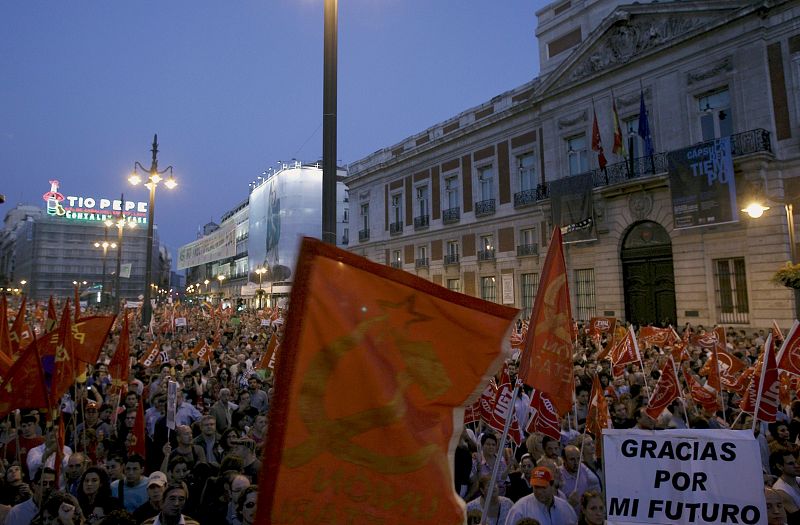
x: 94, y: 494
x: 498, y: 505
x: 593, y: 509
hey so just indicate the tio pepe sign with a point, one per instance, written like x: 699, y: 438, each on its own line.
x: 91, y: 209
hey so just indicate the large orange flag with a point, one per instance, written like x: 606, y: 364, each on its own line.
x: 119, y: 366
x: 376, y: 369
x: 597, y: 417
x: 546, y: 362
x: 66, y: 367
x: 25, y: 385
x: 90, y: 334
x: 6, y: 352
x: 20, y: 332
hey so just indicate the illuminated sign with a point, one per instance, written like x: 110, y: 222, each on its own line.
x: 91, y: 209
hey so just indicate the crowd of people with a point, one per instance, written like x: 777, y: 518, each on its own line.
x: 206, y: 469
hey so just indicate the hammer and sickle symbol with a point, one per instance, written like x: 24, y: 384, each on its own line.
x: 423, y: 368
x: 554, y: 321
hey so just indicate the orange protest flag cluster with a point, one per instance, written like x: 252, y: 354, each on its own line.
x: 666, y: 391
x: 546, y: 361
x: 376, y: 367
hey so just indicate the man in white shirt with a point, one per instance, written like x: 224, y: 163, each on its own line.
x: 543, y: 505
x: 576, y: 478
x: 46, y: 453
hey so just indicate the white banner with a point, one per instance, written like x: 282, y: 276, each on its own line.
x: 215, y: 246
x: 172, y: 398
x: 125, y: 270
x: 683, y: 477
x: 180, y: 321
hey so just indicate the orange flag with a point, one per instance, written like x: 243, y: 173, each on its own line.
x: 20, y: 332
x: 764, y: 393
x: 90, y: 334
x: 789, y: 355
x: 268, y: 361
x: 65, y: 363
x: 546, y: 362
x: 52, y: 316
x: 597, y: 417
x: 151, y: 357
x: 624, y: 352
x: 6, y: 352
x: 135, y: 443
x: 373, y: 355
x: 25, y: 386
x: 119, y: 366
x: 660, y: 337
x: 667, y: 390
x: 702, y: 396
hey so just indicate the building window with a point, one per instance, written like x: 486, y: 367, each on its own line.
x: 526, y: 171
x: 716, y: 119
x: 365, y: 217
x: 396, y: 262
x: 730, y: 282
x: 452, y: 255
x: 530, y: 283
x: 486, y: 251
x: 576, y: 153
x: 397, y: 208
x: 584, y: 294
x: 631, y: 127
x: 422, y: 201
x: 485, y: 183
x: 422, y: 257
x: 451, y: 195
x: 346, y: 236
x: 346, y: 215
x: 489, y: 289
x: 454, y: 285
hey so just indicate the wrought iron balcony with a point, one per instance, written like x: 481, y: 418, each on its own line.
x: 421, y: 263
x: 395, y: 228
x: 486, y: 255
x: 527, y: 249
x: 485, y: 207
x: 396, y: 264
x: 421, y: 222
x: 451, y: 258
x: 525, y: 197
x: 363, y: 235
x: 451, y: 215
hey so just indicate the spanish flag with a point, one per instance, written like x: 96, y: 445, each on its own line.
x: 375, y: 369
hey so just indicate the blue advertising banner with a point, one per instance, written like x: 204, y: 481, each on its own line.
x: 702, y: 183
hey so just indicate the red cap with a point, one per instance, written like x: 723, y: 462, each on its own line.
x: 541, y: 477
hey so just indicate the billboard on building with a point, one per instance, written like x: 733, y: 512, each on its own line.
x: 572, y: 207
x: 702, y: 183
x: 284, y: 208
x: 218, y: 245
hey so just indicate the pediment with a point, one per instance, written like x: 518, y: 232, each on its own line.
x: 635, y: 31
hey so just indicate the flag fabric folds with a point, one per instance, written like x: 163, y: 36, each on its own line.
x: 597, y: 417
x: 546, y: 362
x: 624, y: 352
x: 501, y: 409
x: 52, y: 316
x: 644, y: 127
x: 764, y: 393
x: 24, y: 386
x: 544, y: 416
x: 704, y: 397
x: 667, y: 390
x: 135, y: 442
x: 119, y: 366
x: 20, y: 331
x: 597, y: 144
x: 6, y: 352
x: 373, y: 355
x: 66, y: 366
x: 619, y: 139
x: 789, y: 355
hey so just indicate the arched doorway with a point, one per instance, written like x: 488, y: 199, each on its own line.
x: 648, y: 277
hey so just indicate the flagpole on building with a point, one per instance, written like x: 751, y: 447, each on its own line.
x: 767, y: 344
x: 500, y: 448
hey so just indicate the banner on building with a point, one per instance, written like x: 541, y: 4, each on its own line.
x: 702, y: 182
x: 572, y: 207
x: 682, y: 477
x: 125, y: 270
x: 215, y: 246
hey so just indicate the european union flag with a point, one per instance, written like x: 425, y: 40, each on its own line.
x: 644, y: 127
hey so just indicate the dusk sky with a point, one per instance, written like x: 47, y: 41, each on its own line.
x: 231, y: 87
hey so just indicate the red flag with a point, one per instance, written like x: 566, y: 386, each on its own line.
x: 404, y: 342
x: 20, y: 332
x: 52, y: 316
x: 59, y: 447
x: 270, y: 356
x: 619, y: 140
x: 119, y: 366
x: 789, y: 355
x: 90, y: 334
x: 486, y: 401
x: 597, y: 143
x: 136, y: 442
x: 472, y: 413
x: 65, y: 364
x: 660, y: 337
x: 6, y: 352
x: 546, y: 362
x: 738, y: 385
x: 769, y: 388
x: 25, y: 386
x: 502, y: 409
x: 150, y: 358
x: 624, y: 352
x: 544, y: 416
x: 702, y: 396
x: 597, y: 417
x: 667, y: 390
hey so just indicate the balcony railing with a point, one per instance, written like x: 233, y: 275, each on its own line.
x: 396, y: 264
x: 486, y: 255
x: 395, y: 228
x: 451, y: 258
x: 363, y: 235
x: 485, y: 207
x: 525, y: 197
x: 421, y: 222
x: 527, y: 249
x: 421, y: 263
x: 745, y: 143
x: 451, y: 215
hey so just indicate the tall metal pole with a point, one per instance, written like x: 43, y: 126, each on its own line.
x: 105, y: 256
x: 117, y: 294
x: 329, y: 122
x: 147, y: 309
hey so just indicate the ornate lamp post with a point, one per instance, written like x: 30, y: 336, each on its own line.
x: 154, y: 176
x: 220, y: 278
x: 260, y: 272
x: 105, y: 245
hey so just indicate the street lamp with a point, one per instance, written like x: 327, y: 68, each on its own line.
x: 105, y: 245
x: 22, y: 284
x: 153, y: 178
x: 756, y: 209
x: 260, y: 272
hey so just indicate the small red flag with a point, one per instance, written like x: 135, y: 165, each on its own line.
x: 546, y: 362
x: 150, y: 358
x: 702, y: 396
x: 544, y: 416
x: 136, y: 442
x: 769, y: 388
x: 667, y: 390
x: 597, y: 417
x: 624, y: 352
x: 654, y: 336
x: 597, y: 143
x: 119, y: 366
x: 789, y: 355
x: 52, y: 316
x: 20, y: 332
x: 502, y: 409
x: 65, y: 363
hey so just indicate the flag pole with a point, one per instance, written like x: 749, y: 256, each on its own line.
x: 680, y: 392
x: 500, y: 448
x: 767, y: 344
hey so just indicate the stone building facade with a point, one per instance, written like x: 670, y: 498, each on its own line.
x: 466, y: 203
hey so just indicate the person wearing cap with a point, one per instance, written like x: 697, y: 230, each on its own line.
x: 175, y: 496
x: 156, y: 483
x: 91, y: 415
x: 543, y: 505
